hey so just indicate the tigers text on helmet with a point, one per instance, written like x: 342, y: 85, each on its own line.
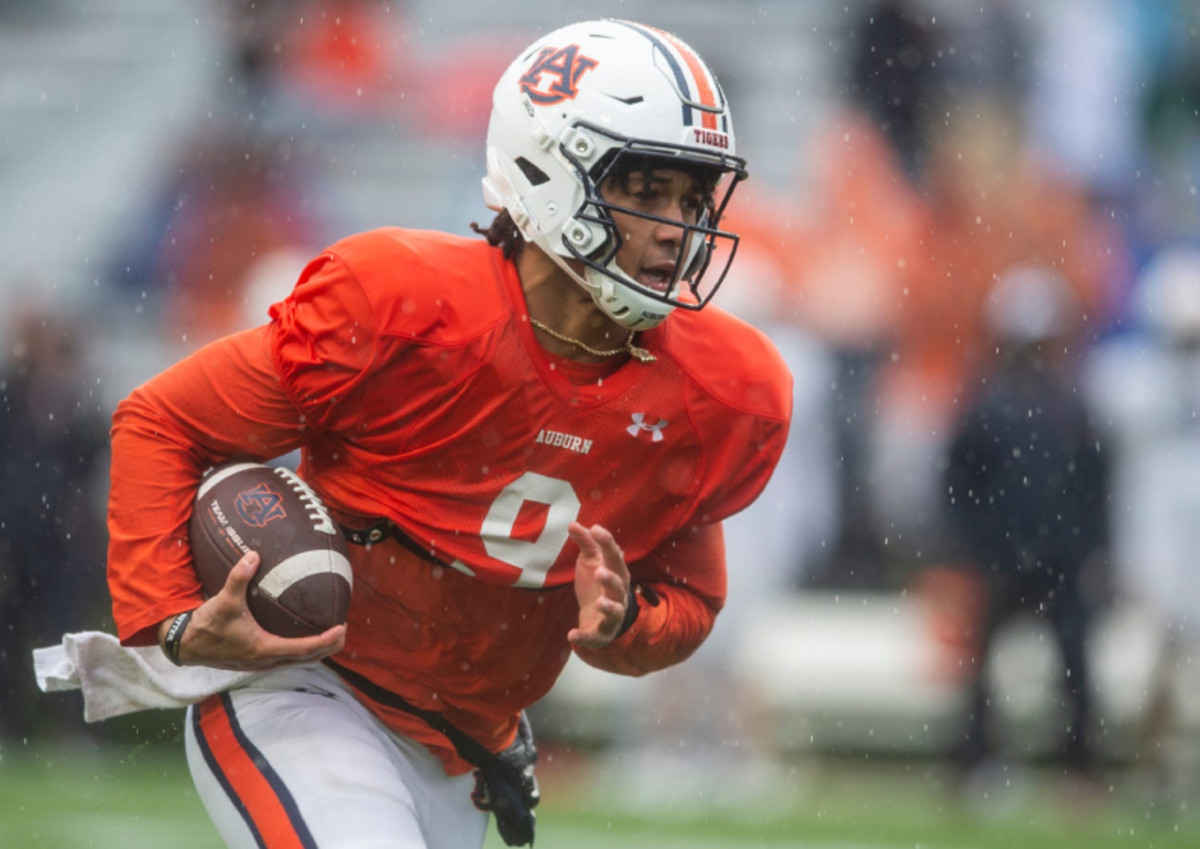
x: 601, y: 99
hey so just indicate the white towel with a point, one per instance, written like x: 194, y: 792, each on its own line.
x: 116, y: 680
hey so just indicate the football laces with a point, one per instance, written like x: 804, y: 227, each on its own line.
x: 314, y: 508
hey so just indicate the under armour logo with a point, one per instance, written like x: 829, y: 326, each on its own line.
x: 640, y: 426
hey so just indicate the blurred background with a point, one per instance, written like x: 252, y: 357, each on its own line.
x: 972, y: 229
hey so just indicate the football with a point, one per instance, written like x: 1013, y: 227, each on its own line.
x: 302, y: 586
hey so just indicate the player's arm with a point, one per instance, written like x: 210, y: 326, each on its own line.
x: 680, y: 588
x: 223, y: 633
x: 223, y: 401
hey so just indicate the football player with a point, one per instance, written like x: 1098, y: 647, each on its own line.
x: 532, y: 437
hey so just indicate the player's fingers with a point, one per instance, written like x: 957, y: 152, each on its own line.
x: 587, y: 639
x: 241, y: 573
x: 599, y: 624
x: 579, y: 637
x: 611, y: 607
x: 319, y: 643
x: 611, y: 582
x: 323, y: 643
x: 323, y: 651
x: 602, y: 535
x: 332, y: 641
x: 304, y: 648
x: 582, y: 537
x: 614, y: 558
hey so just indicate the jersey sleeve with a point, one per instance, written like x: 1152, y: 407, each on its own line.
x: 681, y: 588
x: 323, y: 341
x: 747, y: 455
x: 740, y: 401
x: 224, y: 401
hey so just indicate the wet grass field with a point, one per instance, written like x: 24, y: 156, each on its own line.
x: 68, y: 796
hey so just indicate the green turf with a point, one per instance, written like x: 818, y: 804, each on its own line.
x: 60, y: 796
x: 864, y: 804
x: 68, y: 796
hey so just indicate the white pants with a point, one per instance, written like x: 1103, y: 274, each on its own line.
x: 295, y: 760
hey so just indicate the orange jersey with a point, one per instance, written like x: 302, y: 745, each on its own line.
x: 405, y: 366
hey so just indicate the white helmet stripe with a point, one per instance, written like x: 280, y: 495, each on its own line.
x: 684, y: 63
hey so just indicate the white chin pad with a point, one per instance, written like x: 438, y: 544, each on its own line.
x: 625, y: 304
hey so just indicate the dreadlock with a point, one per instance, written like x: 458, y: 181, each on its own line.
x: 502, y: 233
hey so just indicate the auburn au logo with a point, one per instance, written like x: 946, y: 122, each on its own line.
x: 259, y: 505
x: 554, y: 74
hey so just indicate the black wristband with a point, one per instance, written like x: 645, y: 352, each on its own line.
x: 631, y: 612
x: 174, y: 636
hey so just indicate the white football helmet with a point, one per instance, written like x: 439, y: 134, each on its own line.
x: 595, y: 99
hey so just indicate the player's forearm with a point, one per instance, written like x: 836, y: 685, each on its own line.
x: 154, y: 472
x: 223, y: 401
x: 681, y: 588
x: 671, y: 624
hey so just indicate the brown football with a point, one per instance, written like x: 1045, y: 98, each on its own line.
x: 302, y: 586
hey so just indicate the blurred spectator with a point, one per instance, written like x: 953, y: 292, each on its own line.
x: 982, y: 49
x: 1027, y: 484
x: 991, y: 203
x: 1086, y: 102
x: 1084, y: 111
x: 349, y: 58
x: 328, y: 67
x: 995, y: 202
x: 452, y: 98
x: 51, y: 516
x: 1170, y: 208
x: 856, y: 257
x: 892, y: 60
x: 909, y: 58
x: 313, y: 65
x: 857, y: 245
x: 928, y: 196
x: 1147, y: 387
x: 235, y: 201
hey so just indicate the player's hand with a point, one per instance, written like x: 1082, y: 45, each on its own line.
x: 223, y: 633
x: 601, y: 586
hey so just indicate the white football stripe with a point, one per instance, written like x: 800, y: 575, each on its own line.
x: 300, y: 566
x: 215, y: 478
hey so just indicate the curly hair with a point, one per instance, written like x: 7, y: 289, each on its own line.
x: 502, y: 233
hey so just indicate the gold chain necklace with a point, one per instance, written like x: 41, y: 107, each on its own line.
x: 640, y: 354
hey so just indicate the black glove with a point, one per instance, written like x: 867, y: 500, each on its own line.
x: 508, y: 788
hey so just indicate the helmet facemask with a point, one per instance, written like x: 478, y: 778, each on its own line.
x: 690, y: 286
